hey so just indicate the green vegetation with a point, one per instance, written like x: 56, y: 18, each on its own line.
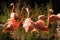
x: 20, y: 34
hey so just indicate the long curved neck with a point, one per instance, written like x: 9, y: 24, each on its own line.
x: 13, y: 8
x: 28, y: 12
x: 48, y: 19
x: 32, y: 14
x: 22, y: 14
x: 28, y: 15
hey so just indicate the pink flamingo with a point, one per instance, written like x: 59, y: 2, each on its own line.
x: 28, y: 24
x: 58, y: 28
x: 13, y: 14
x: 42, y: 17
x: 40, y: 24
x: 53, y: 19
x: 58, y: 15
x: 12, y: 24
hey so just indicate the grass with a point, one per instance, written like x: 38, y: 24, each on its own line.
x: 20, y: 34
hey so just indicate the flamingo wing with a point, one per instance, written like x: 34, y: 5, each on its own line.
x: 27, y: 25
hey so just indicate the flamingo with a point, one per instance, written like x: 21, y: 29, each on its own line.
x: 40, y: 24
x: 12, y: 24
x: 53, y: 19
x: 58, y: 15
x: 58, y: 28
x: 42, y: 17
x: 28, y: 24
x: 13, y: 14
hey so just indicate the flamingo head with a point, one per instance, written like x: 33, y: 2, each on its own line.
x: 23, y: 8
x: 12, y: 4
x: 51, y: 11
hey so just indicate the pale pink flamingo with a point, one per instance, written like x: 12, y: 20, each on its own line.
x: 28, y: 24
x: 12, y: 24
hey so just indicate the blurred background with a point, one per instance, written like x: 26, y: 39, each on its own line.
x: 55, y: 3
x: 39, y: 7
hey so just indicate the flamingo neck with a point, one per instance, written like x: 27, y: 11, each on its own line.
x: 22, y: 17
x: 13, y: 8
x: 48, y: 19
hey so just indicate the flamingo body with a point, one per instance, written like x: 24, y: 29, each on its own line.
x: 28, y: 24
x: 58, y: 15
x: 40, y: 24
x: 42, y: 17
x: 12, y: 25
x: 53, y: 17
